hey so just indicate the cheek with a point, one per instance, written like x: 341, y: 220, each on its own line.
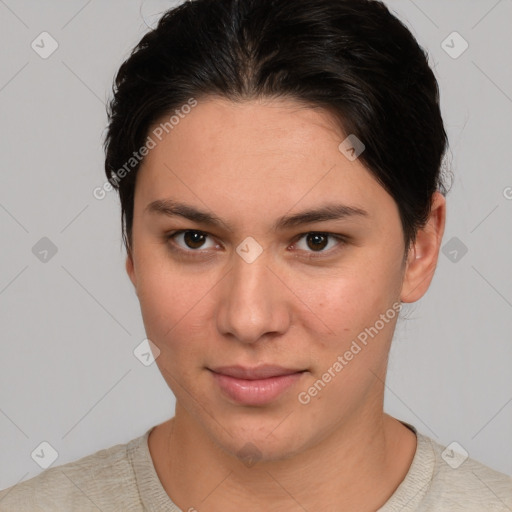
x: 176, y: 308
x: 352, y: 300
x: 355, y: 296
x: 165, y: 298
x: 165, y: 291
x: 361, y: 308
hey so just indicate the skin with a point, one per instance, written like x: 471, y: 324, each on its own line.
x: 250, y: 163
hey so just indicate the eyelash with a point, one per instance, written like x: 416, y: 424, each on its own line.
x: 311, y: 255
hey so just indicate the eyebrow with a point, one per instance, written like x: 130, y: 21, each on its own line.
x: 332, y: 211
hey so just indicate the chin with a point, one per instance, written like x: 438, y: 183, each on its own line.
x: 258, y: 440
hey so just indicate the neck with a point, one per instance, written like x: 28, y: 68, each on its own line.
x: 357, y: 466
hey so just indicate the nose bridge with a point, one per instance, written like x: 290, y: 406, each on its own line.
x: 253, y: 302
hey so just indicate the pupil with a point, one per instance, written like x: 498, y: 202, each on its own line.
x: 317, y: 240
x: 193, y: 239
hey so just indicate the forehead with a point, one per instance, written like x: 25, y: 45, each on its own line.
x: 278, y: 128
x: 255, y: 155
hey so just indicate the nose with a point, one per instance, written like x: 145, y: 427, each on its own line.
x: 254, y: 301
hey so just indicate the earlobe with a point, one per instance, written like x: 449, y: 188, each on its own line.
x: 424, y: 252
x: 130, y: 270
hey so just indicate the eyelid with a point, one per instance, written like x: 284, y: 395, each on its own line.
x: 172, y: 234
x: 341, y: 239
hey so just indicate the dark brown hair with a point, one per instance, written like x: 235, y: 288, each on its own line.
x: 351, y: 57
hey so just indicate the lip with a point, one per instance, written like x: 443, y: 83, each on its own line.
x: 256, y: 373
x: 255, y: 386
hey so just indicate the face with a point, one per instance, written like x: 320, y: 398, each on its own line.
x: 259, y: 280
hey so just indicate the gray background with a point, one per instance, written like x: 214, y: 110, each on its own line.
x: 69, y: 324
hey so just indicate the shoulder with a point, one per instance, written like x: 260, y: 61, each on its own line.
x: 445, y: 479
x: 87, y: 484
x: 461, y: 483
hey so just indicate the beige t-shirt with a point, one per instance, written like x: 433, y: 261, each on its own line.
x: 123, y: 478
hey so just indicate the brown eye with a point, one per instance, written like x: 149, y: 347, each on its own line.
x: 193, y: 239
x: 317, y: 241
x: 190, y: 240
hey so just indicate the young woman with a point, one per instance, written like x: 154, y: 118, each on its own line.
x: 278, y: 165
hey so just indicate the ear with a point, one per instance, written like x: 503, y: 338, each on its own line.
x: 130, y: 270
x: 423, y: 254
